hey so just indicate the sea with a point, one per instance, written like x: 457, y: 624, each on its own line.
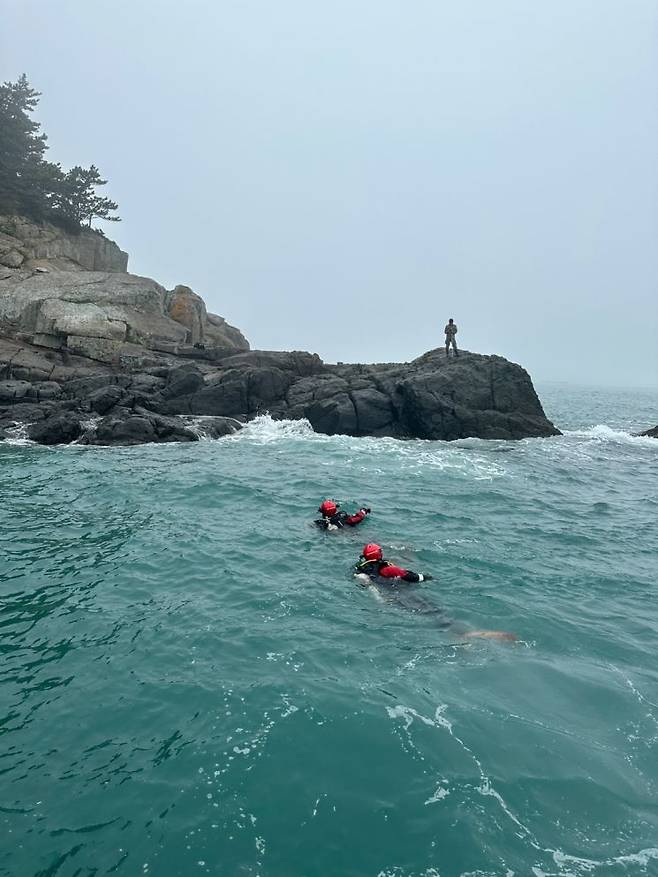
x: 192, y: 682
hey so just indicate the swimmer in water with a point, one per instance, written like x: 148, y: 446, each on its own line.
x: 395, y: 584
x: 373, y: 565
x: 333, y: 519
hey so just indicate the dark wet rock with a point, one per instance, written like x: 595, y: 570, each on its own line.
x: 132, y: 430
x: 140, y: 427
x: 431, y: 397
x: 216, y: 427
x: 59, y: 429
x: 183, y: 381
x: 105, y: 398
x: 22, y: 414
x: 651, y: 433
x: 298, y: 362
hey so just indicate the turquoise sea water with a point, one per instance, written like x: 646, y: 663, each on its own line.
x: 191, y: 683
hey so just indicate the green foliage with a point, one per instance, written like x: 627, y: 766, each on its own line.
x: 76, y: 198
x: 35, y: 187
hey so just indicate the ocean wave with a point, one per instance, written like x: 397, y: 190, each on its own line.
x: 602, y: 433
x: 265, y: 430
x: 17, y: 435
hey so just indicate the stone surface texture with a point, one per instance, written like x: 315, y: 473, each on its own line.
x: 46, y: 245
x: 72, y: 291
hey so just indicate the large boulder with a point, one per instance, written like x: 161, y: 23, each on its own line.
x: 298, y: 362
x: 139, y: 427
x: 65, y: 304
x: 105, y: 398
x: 218, y: 333
x: 59, y: 429
x: 58, y: 308
x: 188, y: 309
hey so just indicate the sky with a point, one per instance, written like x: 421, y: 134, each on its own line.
x: 343, y: 177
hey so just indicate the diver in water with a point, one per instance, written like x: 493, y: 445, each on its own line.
x: 373, y: 565
x: 333, y: 519
x: 395, y: 585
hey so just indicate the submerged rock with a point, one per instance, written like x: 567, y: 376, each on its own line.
x: 651, y: 433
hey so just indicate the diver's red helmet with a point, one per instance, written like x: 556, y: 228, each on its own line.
x: 328, y: 508
x: 372, y: 552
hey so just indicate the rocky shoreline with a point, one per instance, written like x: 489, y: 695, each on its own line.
x: 93, y: 354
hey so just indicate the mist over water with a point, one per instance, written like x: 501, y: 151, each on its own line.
x: 192, y: 682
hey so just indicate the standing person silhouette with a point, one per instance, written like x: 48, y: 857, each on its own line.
x: 451, y: 331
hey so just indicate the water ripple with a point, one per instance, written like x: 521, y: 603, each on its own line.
x: 191, y: 682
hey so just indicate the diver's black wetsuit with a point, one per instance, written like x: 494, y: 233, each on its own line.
x: 382, y: 569
x: 342, y: 519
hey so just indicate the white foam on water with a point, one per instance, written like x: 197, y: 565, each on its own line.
x: 410, y: 455
x: 643, y: 857
x: 17, y: 435
x: 606, y: 434
x: 440, y: 793
x: 264, y: 430
x: 562, y: 859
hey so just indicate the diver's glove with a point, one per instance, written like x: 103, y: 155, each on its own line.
x: 425, y: 577
x: 365, y: 511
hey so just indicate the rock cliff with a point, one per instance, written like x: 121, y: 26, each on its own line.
x: 27, y: 244
x: 91, y: 353
x: 72, y: 291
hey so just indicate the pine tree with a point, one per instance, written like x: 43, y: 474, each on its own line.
x: 33, y: 186
x: 76, y: 198
x: 26, y: 179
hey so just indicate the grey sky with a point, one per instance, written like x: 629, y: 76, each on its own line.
x: 342, y: 177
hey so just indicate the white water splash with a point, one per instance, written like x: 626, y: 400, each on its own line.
x: 605, y: 434
x: 264, y: 430
x: 17, y: 435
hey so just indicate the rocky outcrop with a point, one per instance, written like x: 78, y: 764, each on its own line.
x: 652, y: 433
x: 90, y: 353
x: 431, y: 397
x: 153, y: 399
x: 29, y: 245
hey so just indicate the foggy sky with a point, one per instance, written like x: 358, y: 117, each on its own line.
x: 343, y: 177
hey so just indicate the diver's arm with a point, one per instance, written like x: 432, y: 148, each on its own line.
x: 356, y: 518
x: 407, y: 575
